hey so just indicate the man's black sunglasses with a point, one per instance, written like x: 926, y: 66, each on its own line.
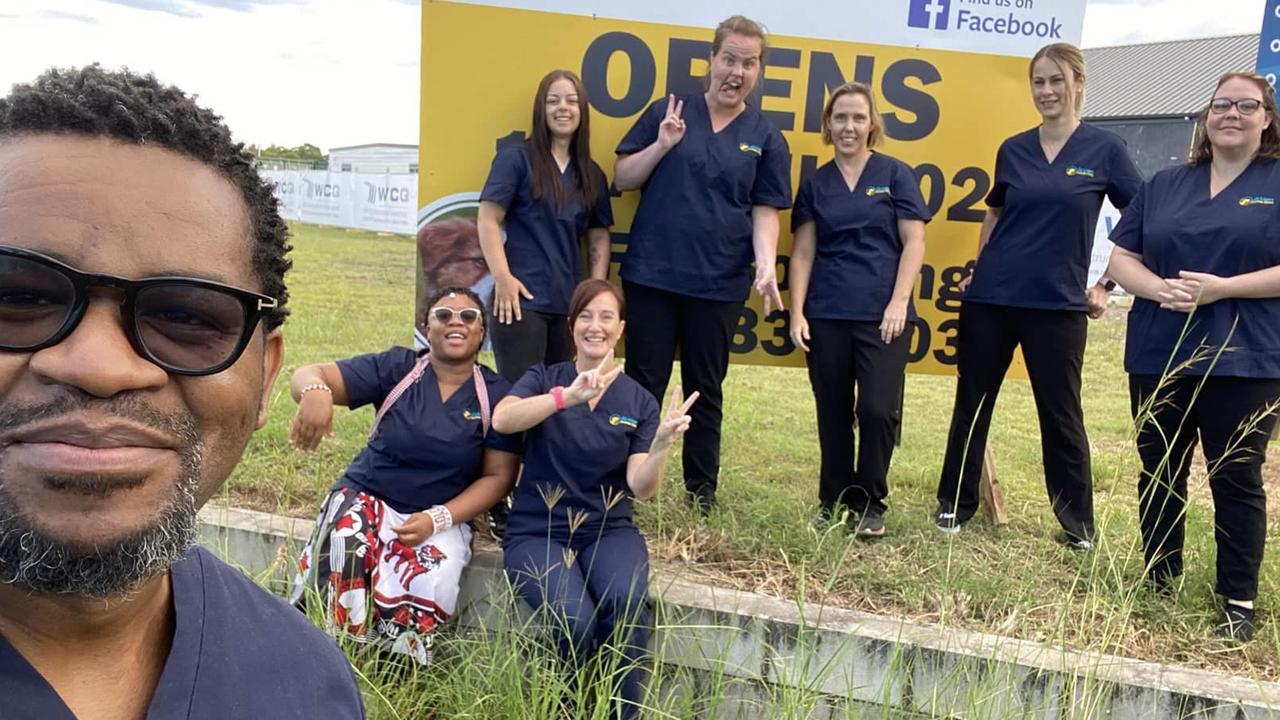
x: 187, y: 326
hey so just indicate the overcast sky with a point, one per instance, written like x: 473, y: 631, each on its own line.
x: 345, y: 72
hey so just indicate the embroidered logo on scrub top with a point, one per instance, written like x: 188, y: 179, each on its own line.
x: 759, y: 151
x: 623, y: 420
x: 470, y: 414
x: 1257, y: 200
x: 1078, y: 170
x: 877, y: 190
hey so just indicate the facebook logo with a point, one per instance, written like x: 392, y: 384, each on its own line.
x: 929, y: 14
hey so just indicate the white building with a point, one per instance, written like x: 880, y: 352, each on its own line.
x: 374, y: 158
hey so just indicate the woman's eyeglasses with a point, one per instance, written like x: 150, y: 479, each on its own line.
x: 187, y: 326
x: 1246, y: 106
x: 445, y: 314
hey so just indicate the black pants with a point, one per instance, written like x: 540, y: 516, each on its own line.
x: 1053, y: 346
x: 1233, y: 418
x: 657, y: 323
x: 536, y: 338
x: 853, y: 372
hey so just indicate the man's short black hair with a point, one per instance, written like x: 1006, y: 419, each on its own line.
x: 138, y: 109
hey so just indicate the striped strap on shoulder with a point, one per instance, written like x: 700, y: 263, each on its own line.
x: 419, y: 367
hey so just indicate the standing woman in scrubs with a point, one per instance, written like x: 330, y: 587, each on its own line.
x: 858, y: 223
x: 392, y: 537
x: 1028, y: 289
x: 546, y: 193
x: 594, y: 440
x: 713, y: 172
x: 1200, y: 250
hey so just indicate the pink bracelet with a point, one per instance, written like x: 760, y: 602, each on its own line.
x: 557, y: 394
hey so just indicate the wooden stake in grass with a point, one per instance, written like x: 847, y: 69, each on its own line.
x: 990, y: 496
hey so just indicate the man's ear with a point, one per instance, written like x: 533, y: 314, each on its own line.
x: 272, y: 362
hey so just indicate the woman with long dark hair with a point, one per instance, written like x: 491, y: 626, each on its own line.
x: 546, y: 193
x: 1200, y: 250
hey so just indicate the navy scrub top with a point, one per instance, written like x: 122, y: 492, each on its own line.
x: 544, y: 245
x: 1038, y: 253
x: 581, y: 453
x: 425, y: 452
x: 692, y: 230
x: 238, y: 653
x: 858, y: 247
x: 1175, y: 226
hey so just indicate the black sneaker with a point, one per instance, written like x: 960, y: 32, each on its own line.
x: 867, y: 525
x: 1236, y: 624
x: 702, y: 498
x: 1073, y: 541
x: 498, y: 520
x: 949, y: 519
x: 822, y: 519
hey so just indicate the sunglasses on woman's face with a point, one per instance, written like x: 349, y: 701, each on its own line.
x: 187, y: 326
x: 445, y: 315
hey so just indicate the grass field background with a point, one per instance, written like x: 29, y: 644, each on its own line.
x: 352, y: 292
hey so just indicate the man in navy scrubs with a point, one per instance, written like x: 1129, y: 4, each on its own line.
x: 142, y: 291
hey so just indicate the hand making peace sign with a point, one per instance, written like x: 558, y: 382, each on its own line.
x: 671, y: 131
x: 676, y: 421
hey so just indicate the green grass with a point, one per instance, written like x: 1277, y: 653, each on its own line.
x: 352, y: 292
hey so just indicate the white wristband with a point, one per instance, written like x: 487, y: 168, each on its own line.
x: 441, y: 518
x: 314, y: 386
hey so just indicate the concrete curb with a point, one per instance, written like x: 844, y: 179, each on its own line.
x: 844, y: 654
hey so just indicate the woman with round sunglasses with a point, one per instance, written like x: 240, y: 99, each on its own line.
x: 546, y: 194
x: 187, y: 326
x: 1028, y: 289
x: 595, y: 440
x: 1200, y: 250
x: 859, y: 224
x: 392, y: 538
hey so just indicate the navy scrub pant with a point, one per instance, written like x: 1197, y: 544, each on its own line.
x: 595, y: 591
x: 537, y: 337
x: 1233, y: 419
x: 1053, y: 346
x: 657, y: 323
x: 854, y: 373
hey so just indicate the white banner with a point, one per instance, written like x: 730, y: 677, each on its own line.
x: 1102, y: 244
x: 378, y: 202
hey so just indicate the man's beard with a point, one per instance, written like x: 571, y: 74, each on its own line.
x: 31, y: 558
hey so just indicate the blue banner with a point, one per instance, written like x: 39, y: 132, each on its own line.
x: 1269, y: 43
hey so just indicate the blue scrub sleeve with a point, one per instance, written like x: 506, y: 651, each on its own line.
x: 601, y: 215
x: 1123, y: 178
x: 505, y: 175
x: 368, y: 378
x: 802, y: 210
x: 1128, y: 232
x: 533, y: 382
x: 999, y: 184
x: 908, y: 203
x: 498, y: 389
x: 645, y: 131
x: 642, y: 439
x: 773, y: 173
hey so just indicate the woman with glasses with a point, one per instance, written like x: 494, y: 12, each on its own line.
x: 1028, y: 289
x: 1200, y: 250
x: 546, y: 193
x: 594, y: 441
x: 859, y: 244
x: 391, y: 539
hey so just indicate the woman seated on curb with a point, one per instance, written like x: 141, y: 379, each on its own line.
x: 595, y: 440
x: 391, y: 539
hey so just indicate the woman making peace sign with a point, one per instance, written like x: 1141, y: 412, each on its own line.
x: 594, y: 441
